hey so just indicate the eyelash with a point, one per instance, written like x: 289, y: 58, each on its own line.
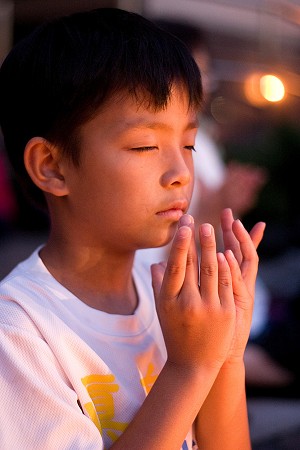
x: 143, y: 149
x: 148, y: 149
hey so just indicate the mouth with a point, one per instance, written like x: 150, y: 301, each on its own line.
x: 174, y: 211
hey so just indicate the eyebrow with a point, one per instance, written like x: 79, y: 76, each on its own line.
x: 141, y: 124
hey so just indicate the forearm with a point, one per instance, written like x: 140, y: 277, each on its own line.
x: 222, y: 422
x: 169, y: 410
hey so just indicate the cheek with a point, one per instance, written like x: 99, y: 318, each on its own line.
x: 125, y: 191
x: 192, y: 181
x: 192, y: 177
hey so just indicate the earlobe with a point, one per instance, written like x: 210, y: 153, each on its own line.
x: 41, y: 160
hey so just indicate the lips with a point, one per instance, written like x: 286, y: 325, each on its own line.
x: 176, y: 208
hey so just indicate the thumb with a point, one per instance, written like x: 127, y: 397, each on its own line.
x: 157, y: 274
x: 257, y: 233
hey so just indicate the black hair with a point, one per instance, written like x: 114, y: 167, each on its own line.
x: 58, y: 77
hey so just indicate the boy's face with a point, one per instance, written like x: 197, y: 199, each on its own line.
x: 135, y: 178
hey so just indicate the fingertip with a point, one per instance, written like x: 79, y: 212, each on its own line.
x: 227, y: 212
x: 263, y: 225
x: 184, y: 232
x: 226, y: 219
x: 230, y: 255
x: 238, y: 227
x: 206, y: 229
x: 186, y: 220
x: 158, y: 267
x: 221, y: 257
x: 157, y: 273
x: 257, y: 233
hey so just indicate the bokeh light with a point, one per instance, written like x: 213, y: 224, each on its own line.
x: 272, y: 88
x: 260, y: 89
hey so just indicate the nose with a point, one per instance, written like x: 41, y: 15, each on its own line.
x: 179, y: 169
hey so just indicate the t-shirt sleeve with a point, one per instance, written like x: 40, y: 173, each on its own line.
x: 39, y: 408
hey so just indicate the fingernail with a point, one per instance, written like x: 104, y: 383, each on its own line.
x: 206, y: 229
x: 183, y: 232
x: 239, y: 222
x: 221, y: 257
x: 230, y: 254
x: 186, y: 219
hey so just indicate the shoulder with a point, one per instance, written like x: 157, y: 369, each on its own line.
x: 22, y: 291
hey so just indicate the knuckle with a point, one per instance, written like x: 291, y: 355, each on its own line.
x: 208, y: 269
x: 173, y: 269
x: 209, y: 245
x: 224, y: 281
x: 190, y: 260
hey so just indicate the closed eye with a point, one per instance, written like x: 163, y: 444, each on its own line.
x: 150, y: 148
x: 144, y: 149
x: 190, y: 147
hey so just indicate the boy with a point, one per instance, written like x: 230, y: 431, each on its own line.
x: 102, y: 106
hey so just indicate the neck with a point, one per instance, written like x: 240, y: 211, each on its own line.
x: 98, y: 277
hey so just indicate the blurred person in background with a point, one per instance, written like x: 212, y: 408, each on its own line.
x: 275, y: 144
x: 219, y: 185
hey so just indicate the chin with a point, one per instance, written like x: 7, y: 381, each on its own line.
x: 160, y: 241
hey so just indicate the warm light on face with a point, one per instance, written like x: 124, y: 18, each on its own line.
x: 271, y: 88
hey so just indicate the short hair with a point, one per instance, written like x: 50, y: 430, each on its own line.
x: 57, y: 78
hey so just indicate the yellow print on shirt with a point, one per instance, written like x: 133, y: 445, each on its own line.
x: 102, y: 410
x: 149, y: 379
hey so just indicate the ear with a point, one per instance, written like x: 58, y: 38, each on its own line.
x: 42, y: 162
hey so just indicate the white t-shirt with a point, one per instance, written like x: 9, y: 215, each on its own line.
x: 72, y: 377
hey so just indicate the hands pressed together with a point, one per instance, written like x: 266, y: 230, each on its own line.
x: 204, y: 305
x: 205, y: 308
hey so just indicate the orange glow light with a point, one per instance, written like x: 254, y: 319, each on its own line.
x: 271, y: 88
x: 260, y: 89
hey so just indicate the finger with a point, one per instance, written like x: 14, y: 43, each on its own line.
x: 240, y: 290
x: 157, y: 275
x: 208, y: 263
x: 192, y: 267
x: 248, y: 241
x: 244, y: 239
x: 176, y: 265
x: 225, y: 282
x: 230, y: 240
x: 249, y: 265
x: 257, y: 233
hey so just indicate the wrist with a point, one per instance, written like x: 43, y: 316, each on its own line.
x: 196, y: 374
x: 234, y: 365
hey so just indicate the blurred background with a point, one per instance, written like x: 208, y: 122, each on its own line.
x: 252, y: 114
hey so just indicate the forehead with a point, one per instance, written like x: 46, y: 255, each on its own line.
x: 127, y: 111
